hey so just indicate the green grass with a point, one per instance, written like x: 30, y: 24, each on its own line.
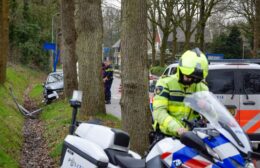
x: 36, y: 92
x: 57, y: 118
x: 11, y: 120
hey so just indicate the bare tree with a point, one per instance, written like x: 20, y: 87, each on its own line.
x: 177, y: 18
x: 246, y: 10
x: 205, y: 11
x: 4, y: 38
x: 69, y: 44
x: 134, y: 101
x: 167, y: 15
x: 164, y: 10
x: 152, y: 30
x: 257, y: 29
x: 111, y: 25
x: 189, y: 25
x: 89, y: 52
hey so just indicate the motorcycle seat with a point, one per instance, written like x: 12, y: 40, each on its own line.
x: 129, y: 162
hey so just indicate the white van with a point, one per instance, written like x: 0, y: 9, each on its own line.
x: 237, y: 86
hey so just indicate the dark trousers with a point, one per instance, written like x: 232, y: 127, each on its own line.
x: 108, y: 85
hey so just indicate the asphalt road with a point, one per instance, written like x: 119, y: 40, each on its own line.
x: 114, y: 108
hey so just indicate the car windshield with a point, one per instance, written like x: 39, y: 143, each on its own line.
x: 55, y: 77
x: 219, y: 117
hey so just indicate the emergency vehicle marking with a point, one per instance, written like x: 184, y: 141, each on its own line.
x: 220, y: 97
x: 252, y: 122
x: 254, y: 128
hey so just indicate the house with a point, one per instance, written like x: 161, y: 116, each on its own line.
x: 117, y: 56
x: 208, y: 37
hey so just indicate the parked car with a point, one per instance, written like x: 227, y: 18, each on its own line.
x: 170, y: 70
x: 152, y: 82
x: 237, y: 86
x: 53, y: 86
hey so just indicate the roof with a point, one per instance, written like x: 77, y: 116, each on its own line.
x: 257, y: 61
x: 181, y: 37
x: 235, y: 66
x: 117, y: 44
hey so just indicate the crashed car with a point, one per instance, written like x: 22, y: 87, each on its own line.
x: 53, y: 86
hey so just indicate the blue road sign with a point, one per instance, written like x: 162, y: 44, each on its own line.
x: 52, y: 46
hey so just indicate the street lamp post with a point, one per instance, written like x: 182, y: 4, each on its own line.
x: 52, y: 36
x: 52, y: 25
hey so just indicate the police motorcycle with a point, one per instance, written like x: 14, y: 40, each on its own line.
x: 220, y: 144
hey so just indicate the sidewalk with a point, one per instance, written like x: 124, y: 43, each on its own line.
x: 117, y: 73
x: 114, y: 108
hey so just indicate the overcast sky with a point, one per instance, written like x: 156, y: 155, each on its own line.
x: 115, y: 3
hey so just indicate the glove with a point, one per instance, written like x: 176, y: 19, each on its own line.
x: 174, y: 128
x: 180, y: 131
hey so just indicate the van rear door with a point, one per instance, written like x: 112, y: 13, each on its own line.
x: 222, y: 83
x: 250, y: 100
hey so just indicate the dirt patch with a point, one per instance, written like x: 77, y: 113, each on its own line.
x: 35, y: 149
x: 35, y: 152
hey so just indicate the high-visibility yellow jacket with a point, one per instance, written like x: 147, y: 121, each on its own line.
x: 168, y: 106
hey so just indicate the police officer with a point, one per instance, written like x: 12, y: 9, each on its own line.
x: 108, y: 79
x: 168, y: 105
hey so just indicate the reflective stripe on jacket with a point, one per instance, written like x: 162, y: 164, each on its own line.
x: 168, y: 106
x: 108, y: 73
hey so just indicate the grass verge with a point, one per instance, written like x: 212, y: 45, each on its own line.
x: 57, y: 119
x: 56, y: 116
x: 11, y: 121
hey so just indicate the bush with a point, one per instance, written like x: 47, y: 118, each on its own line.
x: 157, y: 70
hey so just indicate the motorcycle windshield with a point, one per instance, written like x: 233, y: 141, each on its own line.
x: 219, y: 117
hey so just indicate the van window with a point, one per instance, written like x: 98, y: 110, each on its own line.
x: 251, y: 81
x: 221, y: 81
x: 173, y: 70
x: 166, y: 71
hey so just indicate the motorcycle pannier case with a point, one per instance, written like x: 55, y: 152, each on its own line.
x: 79, y: 152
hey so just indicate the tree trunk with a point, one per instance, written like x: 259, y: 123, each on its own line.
x: 174, y: 43
x: 201, y: 37
x: 153, y: 55
x: 257, y: 30
x: 134, y: 102
x: 163, y: 49
x: 69, y: 44
x: 153, y: 43
x: 187, y: 40
x: 202, y: 25
x: 187, y: 33
x: 4, y: 38
x: 89, y: 52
